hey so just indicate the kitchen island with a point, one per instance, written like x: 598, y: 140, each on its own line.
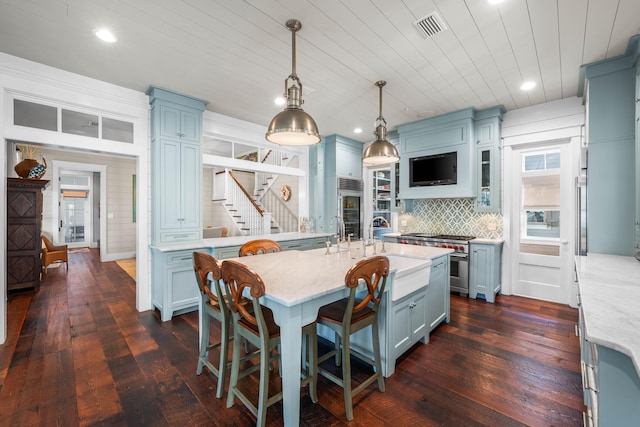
x: 174, y: 289
x: 298, y: 283
x: 609, y: 301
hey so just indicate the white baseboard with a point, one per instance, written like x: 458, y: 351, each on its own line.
x: 118, y: 256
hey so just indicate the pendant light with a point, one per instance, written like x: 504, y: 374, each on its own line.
x: 293, y: 126
x: 380, y: 151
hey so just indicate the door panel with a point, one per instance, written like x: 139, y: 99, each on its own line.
x: 541, y: 225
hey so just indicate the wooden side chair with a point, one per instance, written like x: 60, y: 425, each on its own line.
x: 53, y: 253
x: 259, y: 246
x: 204, y: 266
x: 350, y: 315
x: 258, y: 327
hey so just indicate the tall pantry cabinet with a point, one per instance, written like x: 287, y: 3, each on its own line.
x: 176, y: 197
x: 612, y: 219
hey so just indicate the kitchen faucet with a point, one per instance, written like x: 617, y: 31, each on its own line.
x: 371, y: 225
x: 341, y: 236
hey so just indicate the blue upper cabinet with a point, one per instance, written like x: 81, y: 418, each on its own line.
x: 181, y: 124
x: 456, y: 137
x: 334, y: 157
x: 611, y: 135
x: 176, y: 167
x: 488, y: 160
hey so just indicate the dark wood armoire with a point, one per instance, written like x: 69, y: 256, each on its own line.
x: 24, y: 225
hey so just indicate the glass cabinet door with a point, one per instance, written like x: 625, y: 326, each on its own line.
x: 488, y: 193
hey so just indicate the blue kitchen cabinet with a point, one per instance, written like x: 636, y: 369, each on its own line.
x: 474, y: 137
x: 176, y: 167
x: 636, y: 244
x: 340, y: 159
x: 178, y: 123
x: 177, y: 195
x: 176, y: 199
x: 409, y: 322
x: 610, y: 381
x: 174, y: 289
x: 438, y: 293
x: 611, y: 172
x: 488, y: 162
x: 485, y: 277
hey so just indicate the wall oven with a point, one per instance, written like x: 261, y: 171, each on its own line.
x: 459, y: 258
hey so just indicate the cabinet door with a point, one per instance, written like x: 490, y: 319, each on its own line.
x: 401, y: 335
x: 191, y: 178
x: 169, y: 193
x: 419, y: 316
x: 169, y: 122
x: 184, y: 288
x: 348, y: 162
x: 190, y: 126
x: 487, y: 189
x: 438, y: 293
x: 481, y: 261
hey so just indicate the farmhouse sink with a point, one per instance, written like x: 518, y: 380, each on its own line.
x: 409, y: 275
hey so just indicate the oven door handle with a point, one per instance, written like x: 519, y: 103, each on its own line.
x: 459, y: 257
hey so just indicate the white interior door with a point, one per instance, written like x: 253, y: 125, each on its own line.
x: 542, y: 219
x: 75, y: 209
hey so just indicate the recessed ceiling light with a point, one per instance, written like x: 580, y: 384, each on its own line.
x: 279, y: 100
x: 105, y: 35
x: 357, y: 130
x: 528, y: 85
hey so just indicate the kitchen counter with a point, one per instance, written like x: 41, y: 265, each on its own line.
x: 610, y: 297
x: 222, y: 242
x: 487, y: 241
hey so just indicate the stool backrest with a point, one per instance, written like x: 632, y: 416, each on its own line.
x: 236, y: 278
x: 259, y: 246
x: 373, y: 272
x: 205, y: 265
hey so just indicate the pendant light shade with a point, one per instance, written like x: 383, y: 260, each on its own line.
x: 293, y: 126
x: 380, y: 151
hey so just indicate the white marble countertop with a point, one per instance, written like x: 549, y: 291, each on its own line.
x: 323, y: 274
x: 223, y: 242
x: 487, y: 241
x: 610, y: 297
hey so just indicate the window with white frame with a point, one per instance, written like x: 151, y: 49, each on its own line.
x: 540, y: 210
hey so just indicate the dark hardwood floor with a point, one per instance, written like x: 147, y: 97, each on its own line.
x: 78, y: 353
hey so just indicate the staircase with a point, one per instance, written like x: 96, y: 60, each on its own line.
x: 247, y: 214
x: 263, y: 212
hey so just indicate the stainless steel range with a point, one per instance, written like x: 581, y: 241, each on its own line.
x: 459, y: 268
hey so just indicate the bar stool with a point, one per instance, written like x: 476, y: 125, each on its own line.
x: 258, y: 327
x: 350, y: 315
x: 259, y: 246
x: 212, y: 307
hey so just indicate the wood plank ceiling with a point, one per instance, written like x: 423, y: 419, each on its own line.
x: 236, y: 54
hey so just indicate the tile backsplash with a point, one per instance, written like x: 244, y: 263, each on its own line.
x: 451, y: 216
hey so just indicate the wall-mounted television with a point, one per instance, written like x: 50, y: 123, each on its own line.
x: 439, y: 169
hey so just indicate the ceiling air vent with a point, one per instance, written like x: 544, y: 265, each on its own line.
x: 430, y: 25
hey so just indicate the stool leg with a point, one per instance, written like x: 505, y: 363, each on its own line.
x: 224, y: 356
x: 204, y: 341
x: 346, y: 377
x: 235, y: 367
x: 263, y: 396
x: 376, y: 353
